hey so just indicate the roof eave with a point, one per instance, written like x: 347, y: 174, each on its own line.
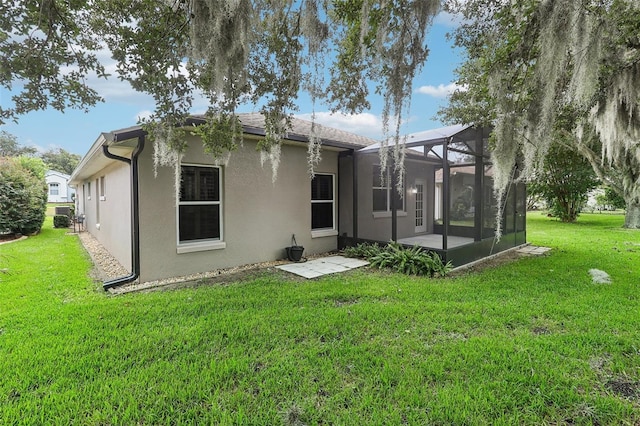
x: 134, y: 132
x: 96, y: 149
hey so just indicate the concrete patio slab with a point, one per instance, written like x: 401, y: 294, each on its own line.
x: 533, y: 250
x: 323, y: 266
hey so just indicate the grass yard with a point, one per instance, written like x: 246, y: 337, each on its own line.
x: 529, y: 342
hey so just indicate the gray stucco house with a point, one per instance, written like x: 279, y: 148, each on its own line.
x: 233, y: 215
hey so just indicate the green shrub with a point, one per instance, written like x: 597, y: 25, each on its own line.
x: 61, y: 221
x: 411, y: 261
x: 34, y: 165
x: 440, y: 268
x: 362, y: 250
x: 23, y: 196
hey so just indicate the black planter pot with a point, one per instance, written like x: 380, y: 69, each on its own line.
x: 294, y: 253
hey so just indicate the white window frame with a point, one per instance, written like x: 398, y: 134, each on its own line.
x: 332, y: 231
x: 97, y: 204
x: 420, y: 219
x: 201, y: 245
x: 387, y: 187
x: 103, y: 189
x: 55, y: 185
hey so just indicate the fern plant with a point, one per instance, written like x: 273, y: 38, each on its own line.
x: 363, y: 250
x: 410, y: 261
x: 439, y: 267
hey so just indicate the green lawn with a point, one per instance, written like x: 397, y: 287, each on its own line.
x: 530, y: 342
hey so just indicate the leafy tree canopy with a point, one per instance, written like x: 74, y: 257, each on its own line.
x: 60, y: 160
x: 35, y: 166
x: 564, y: 182
x: 537, y: 69
x: 47, y: 50
x: 613, y: 199
x: 55, y: 158
x: 263, y: 52
x: 9, y: 146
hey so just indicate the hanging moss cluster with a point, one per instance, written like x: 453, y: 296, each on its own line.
x: 545, y: 70
x: 266, y: 53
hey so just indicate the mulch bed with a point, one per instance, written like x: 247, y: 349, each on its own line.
x: 5, y: 238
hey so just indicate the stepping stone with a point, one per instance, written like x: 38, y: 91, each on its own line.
x: 323, y: 266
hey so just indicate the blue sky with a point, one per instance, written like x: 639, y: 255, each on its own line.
x: 75, y: 131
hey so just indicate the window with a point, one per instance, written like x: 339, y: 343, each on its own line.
x: 53, y: 189
x: 103, y: 194
x: 199, y: 206
x: 88, y: 190
x: 322, y: 203
x: 382, y: 192
x: 97, y: 205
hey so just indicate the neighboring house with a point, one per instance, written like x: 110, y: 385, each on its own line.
x: 233, y: 214
x: 59, y: 189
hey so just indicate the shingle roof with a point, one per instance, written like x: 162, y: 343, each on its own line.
x: 253, y: 123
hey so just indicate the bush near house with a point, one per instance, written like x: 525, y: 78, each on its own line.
x: 23, y: 195
x: 61, y: 221
x: 363, y: 250
x: 410, y: 261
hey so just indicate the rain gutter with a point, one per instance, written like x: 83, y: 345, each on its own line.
x: 135, y: 205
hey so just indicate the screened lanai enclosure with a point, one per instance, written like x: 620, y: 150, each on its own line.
x: 446, y: 203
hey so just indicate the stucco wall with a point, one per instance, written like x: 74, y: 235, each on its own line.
x: 377, y: 225
x: 345, y: 212
x: 259, y: 216
x: 113, y: 229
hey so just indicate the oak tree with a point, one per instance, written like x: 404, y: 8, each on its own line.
x: 539, y: 69
x: 262, y: 52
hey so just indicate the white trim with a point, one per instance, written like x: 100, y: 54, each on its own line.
x: 387, y: 213
x: 422, y: 183
x: 102, y: 188
x: 55, y: 185
x: 200, y: 246
x: 324, y: 233
x: 389, y: 192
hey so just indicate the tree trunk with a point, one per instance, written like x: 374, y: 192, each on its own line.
x: 632, y: 216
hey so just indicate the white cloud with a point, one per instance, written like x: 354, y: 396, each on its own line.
x: 41, y: 149
x: 112, y: 88
x: 142, y: 115
x: 365, y: 124
x: 439, y: 91
x: 448, y: 19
